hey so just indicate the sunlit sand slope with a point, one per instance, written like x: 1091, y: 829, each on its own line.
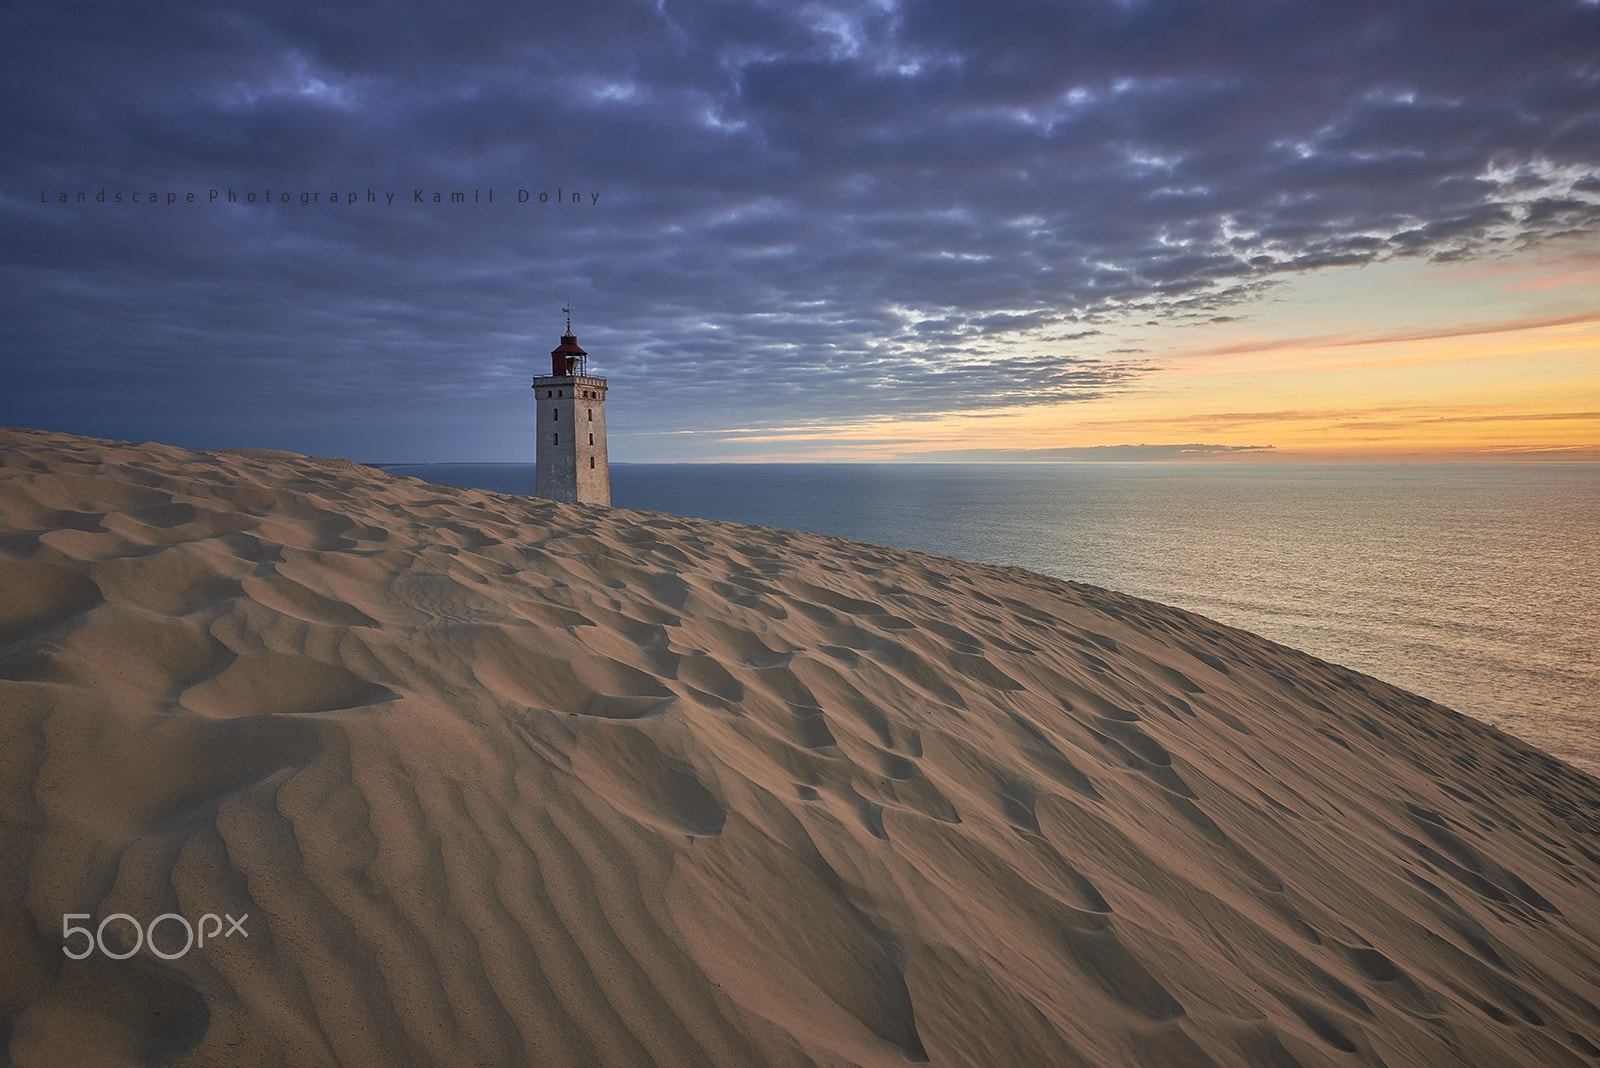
x: 502, y: 781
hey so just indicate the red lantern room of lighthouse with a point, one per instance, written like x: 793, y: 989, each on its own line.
x: 567, y: 359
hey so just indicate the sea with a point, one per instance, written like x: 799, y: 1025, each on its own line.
x: 1474, y: 585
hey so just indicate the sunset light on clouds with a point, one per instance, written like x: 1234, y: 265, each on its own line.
x: 1495, y: 360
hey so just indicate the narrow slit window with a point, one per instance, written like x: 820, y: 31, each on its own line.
x: 555, y: 439
x: 591, y: 415
x: 591, y: 463
x: 555, y: 413
x: 591, y: 439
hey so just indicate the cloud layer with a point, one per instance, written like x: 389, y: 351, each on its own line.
x: 816, y: 211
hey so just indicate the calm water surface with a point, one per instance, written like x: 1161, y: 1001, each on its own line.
x: 1475, y: 585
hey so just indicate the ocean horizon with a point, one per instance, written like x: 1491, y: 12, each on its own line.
x: 1471, y: 584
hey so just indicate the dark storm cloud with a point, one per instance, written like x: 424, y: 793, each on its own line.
x: 805, y: 212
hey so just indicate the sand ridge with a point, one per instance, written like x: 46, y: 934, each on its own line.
x: 505, y: 781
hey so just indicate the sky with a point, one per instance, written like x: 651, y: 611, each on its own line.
x: 1250, y: 230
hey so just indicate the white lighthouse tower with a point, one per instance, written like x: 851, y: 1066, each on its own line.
x: 571, y: 424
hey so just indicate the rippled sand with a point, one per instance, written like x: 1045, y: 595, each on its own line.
x: 503, y: 781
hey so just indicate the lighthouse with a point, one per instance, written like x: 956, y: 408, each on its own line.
x: 571, y: 425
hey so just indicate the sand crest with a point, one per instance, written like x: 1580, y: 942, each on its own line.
x: 501, y: 781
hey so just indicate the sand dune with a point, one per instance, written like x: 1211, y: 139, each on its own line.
x: 501, y: 781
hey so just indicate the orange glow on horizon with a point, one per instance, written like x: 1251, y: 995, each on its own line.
x: 1497, y: 359
x: 1494, y: 388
